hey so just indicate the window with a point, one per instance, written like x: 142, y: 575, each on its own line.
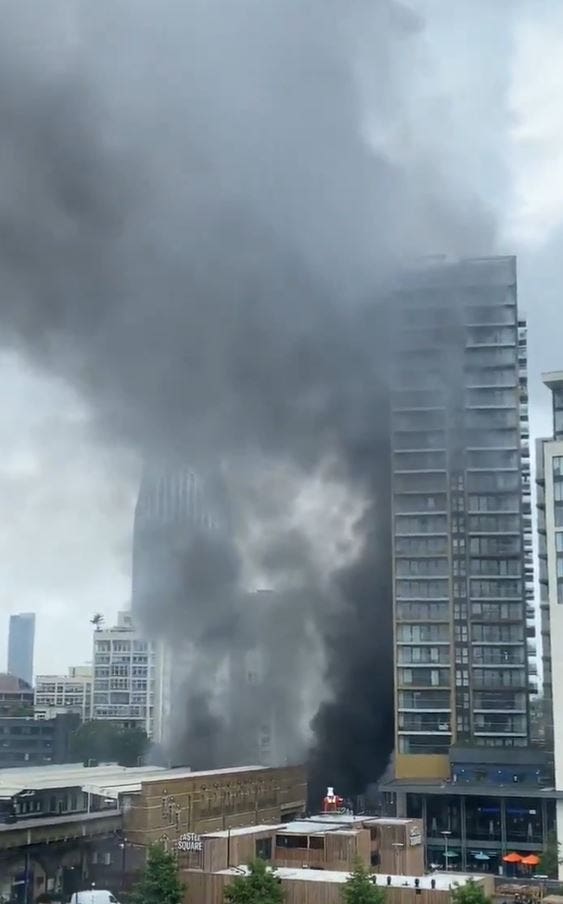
x: 419, y: 461
x: 423, y: 567
x: 424, y: 744
x: 427, y: 699
x: 497, y: 611
x: 491, y: 357
x: 498, y: 588
x: 418, y: 420
x: 496, y: 418
x: 491, y: 335
x: 492, y: 459
x: 497, y: 633
x: 421, y: 677
x: 499, y: 700
x: 417, y: 398
x: 429, y: 524
x: 424, y: 722
x: 490, y: 314
x: 494, y: 524
x: 263, y: 848
x: 493, y: 503
x: 460, y: 633
x: 415, y: 546
x: 498, y: 655
x: 499, y: 678
x: 495, y: 481
x: 558, y: 490
x: 495, y: 546
x: 421, y: 589
x: 423, y: 611
x: 559, y: 541
x: 419, y: 483
x: 489, y: 376
x: 501, y: 567
x: 408, y: 655
x: 422, y: 502
x: 492, y: 439
x: 558, y: 514
x: 502, y: 398
x: 421, y: 633
x: 420, y: 440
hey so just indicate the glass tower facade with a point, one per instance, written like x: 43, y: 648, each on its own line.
x: 21, y: 642
x: 461, y: 512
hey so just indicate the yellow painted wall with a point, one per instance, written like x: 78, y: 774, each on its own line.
x: 421, y: 766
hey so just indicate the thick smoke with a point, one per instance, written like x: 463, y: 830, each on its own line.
x: 200, y: 210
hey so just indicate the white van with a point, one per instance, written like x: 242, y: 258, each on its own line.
x: 93, y: 896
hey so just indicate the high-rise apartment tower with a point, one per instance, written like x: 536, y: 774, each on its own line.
x: 461, y: 513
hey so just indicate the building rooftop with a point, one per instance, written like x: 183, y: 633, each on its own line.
x: 10, y: 684
x: 444, y: 881
x: 106, y: 780
x: 552, y: 377
x: 243, y: 830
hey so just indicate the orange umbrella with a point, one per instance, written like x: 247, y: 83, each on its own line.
x: 531, y: 860
x: 512, y: 858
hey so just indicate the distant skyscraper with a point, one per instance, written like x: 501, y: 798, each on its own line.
x: 21, y: 640
x: 171, y: 508
x: 171, y: 505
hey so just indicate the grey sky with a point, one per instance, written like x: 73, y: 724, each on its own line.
x: 481, y: 88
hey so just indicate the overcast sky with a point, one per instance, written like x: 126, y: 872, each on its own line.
x: 495, y: 77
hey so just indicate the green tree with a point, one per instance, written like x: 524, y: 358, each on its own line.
x: 129, y: 745
x: 359, y: 889
x: 161, y: 880
x: 551, y: 857
x: 470, y: 893
x: 260, y: 886
x: 103, y: 741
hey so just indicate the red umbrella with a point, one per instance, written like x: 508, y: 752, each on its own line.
x: 512, y: 858
x: 531, y: 860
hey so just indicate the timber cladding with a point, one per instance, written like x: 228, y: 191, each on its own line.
x: 166, y: 809
x: 208, y: 888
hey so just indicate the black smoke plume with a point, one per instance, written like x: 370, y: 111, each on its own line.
x: 201, y: 206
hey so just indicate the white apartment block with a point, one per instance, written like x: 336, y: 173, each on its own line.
x: 126, y: 683
x: 63, y: 693
x: 549, y: 465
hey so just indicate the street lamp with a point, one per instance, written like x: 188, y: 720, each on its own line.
x: 123, y: 847
x: 446, y: 834
x: 397, y: 845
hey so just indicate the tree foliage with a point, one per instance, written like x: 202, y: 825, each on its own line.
x: 470, y: 893
x: 551, y: 857
x: 161, y: 881
x: 359, y: 889
x: 106, y: 742
x: 260, y: 886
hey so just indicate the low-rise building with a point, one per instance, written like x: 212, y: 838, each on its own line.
x: 304, y: 886
x: 59, y: 693
x: 328, y: 842
x: 16, y: 696
x: 24, y: 741
x: 104, y: 817
x: 495, y: 801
